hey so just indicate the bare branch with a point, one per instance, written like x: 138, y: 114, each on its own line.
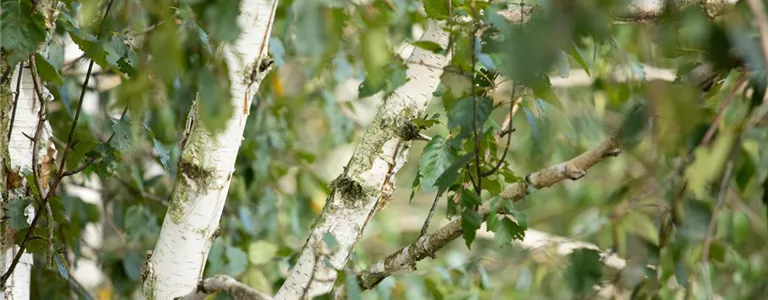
x: 227, y: 284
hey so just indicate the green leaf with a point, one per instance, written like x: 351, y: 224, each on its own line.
x: 462, y: 116
x: 452, y: 173
x: 574, y: 52
x: 469, y: 199
x: 17, y: 213
x: 46, y: 71
x: 221, y: 19
x: 708, y: 163
x: 215, y: 107
x: 167, y: 60
x: 353, y: 288
x: 124, y: 139
x: 585, y: 270
x: 87, y: 42
x: 424, y: 124
x: 633, y: 125
x: 437, y: 157
x: 741, y: 227
x: 543, y: 89
x: 261, y: 252
x: 376, y: 54
x: 506, y: 231
x: 140, y: 222
x: 641, y: 225
x: 237, y: 260
x: 22, y: 28
x: 436, y: 9
x: 470, y: 223
x: 132, y: 265
x: 429, y: 46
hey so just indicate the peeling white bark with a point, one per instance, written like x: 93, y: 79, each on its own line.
x: 368, y: 179
x: 206, y: 166
x: 20, y: 151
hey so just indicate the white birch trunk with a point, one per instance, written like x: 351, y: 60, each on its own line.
x: 368, y: 179
x: 20, y: 153
x: 16, y: 154
x: 205, y: 167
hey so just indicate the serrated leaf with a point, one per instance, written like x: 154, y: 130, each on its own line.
x: 84, y: 40
x: 17, y: 213
x: 452, y: 173
x: 469, y: 199
x: 585, y: 270
x: 462, y: 116
x: 47, y: 72
x: 437, y: 157
x: 22, y: 28
x: 424, y: 124
x: 470, y: 223
x: 506, y: 231
x: 436, y: 9
x: 123, y: 140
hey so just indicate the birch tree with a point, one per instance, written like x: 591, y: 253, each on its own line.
x: 26, y: 164
x: 206, y: 165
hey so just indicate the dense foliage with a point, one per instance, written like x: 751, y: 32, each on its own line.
x: 684, y: 203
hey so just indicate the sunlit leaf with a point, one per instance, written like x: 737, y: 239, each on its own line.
x: 437, y: 157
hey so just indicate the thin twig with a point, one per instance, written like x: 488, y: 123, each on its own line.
x: 509, y: 128
x: 15, y: 101
x: 425, y: 227
x: 713, y: 127
x: 92, y: 159
x: 60, y: 174
x: 713, y: 221
x: 38, y: 128
x: 479, y: 188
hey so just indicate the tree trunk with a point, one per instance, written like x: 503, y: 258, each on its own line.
x: 206, y: 165
x: 16, y: 153
x: 368, y: 179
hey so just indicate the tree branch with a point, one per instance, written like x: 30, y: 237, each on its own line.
x: 405, y: 259
x: 227, y: 284
x: 635, y: 12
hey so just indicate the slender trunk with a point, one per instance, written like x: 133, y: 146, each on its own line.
x: 206, y: 165
x: 368, y: 179
x: 20, y: 118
